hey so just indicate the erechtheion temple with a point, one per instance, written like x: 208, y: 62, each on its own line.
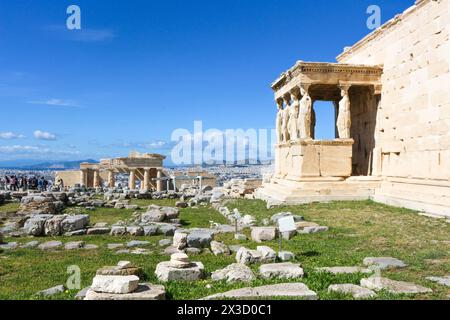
x: 391, y: 93
x: 146, y: 168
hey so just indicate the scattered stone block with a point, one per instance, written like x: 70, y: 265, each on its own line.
x: 50, y: 245
x: 199, y: 239
x: 95, y: 231
x: 135, y: 231
x: 113, y: 246
x: 310, y: 230
x: 76, y: 222
x: 90, y: 247
x: 260, y: 234
x: 52, y: 226
x: 281, y: 270
x: 166, y: 272
x: 74, y: 245
x: 9, y: 246
x: 445, y: 281
x: 240, y: 237
x: 145, y: 291
x: 383, y: 263
x: 180, y: 240
x: 165, y: 242
x: 344, y: 270
x: 219, y: 248
x: 286, y: 256
x: 236, y: 272
x: 51, y: 291
x: 115, y: 284
x: 137, y: 243
x: 82, y: 293
x: 287, y: 290
x: 29, y: 245
x: 355, y: 291
x: 267, y: 254
x: 150, y: 230
x: 247, y: 256
x: 118, y: 231
x: 396, y: 287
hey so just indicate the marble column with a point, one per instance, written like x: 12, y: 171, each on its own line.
x: 96, y: 178
x: 159, y: 181
x: 111, y: 179
x: 145, y: 185
x: 83, y: 177
x: 132, y: 180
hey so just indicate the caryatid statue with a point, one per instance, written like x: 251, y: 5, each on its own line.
x: 285, y: 122
x: 344, y: 120
x: 293, y: 117
x: 279, y: 121
x: 304, y: 118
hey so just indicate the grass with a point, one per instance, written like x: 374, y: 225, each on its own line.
x: 357, y: 230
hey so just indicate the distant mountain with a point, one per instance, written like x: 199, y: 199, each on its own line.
x: 39, y: 165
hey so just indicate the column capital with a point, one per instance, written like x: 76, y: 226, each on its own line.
x: 344, y: 86
x: 304, y: 86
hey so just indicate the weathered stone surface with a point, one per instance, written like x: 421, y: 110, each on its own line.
x: 165, y: 272
x: 145, y: 291
x: 150, y: 230
x: 181, y: 204
x: 355, y: 291
x: 153, y: 216
x: 445, y: 281
x: 93, y: 231
x: 280, y: 215
x: 247, y: 256
x: 51, y: 291
x: 344, y: 270
x: 180, y: 240
x: 309, y: 230
x: 166, y: 229
x: 135, y: 231
x: 291, y: 290
x: 165, y: 242
x: 114, y: 284
x: 260, y: 234
x: 118, y: 230
x: 76, y: 222
x: 383, y: 262
x: 35, y: 225
x: 170, y: 212
x: 281, y: 270
x: 236, y: 272
x: 118, y: 271
x: 267, y: 254
x: 114, y: 245
x: 392, y: 286
x: 137, y: 243
x: 52, y: 226
x: 82, y: 293
x: 74, y: 245
x: 240, y: 237
x: 286, y: 256
x: 31, y: 244
x: 199, y: 239
x: 50, y: 245
x: 75, y: 233
x: 9, y: 246
x: 219, y: 248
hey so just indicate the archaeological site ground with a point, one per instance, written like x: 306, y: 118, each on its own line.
x: 353, y: 208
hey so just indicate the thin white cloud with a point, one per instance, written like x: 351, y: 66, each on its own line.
x: 38, y: 150
x: 8, y: 135
x: 56, y: 102
x: 43, y: 135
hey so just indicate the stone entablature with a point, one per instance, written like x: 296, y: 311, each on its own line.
x: 318, y: 73
x: 146, y: 168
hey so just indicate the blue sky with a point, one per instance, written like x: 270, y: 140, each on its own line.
x: 139, y: 69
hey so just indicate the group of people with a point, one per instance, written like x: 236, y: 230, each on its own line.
x: 23, y: 183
